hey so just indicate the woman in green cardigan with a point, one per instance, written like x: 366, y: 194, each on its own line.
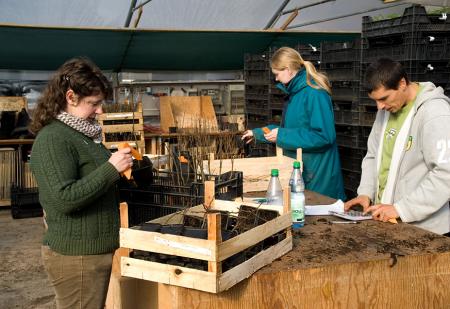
x: 77, y: 178
x: 307, y: 123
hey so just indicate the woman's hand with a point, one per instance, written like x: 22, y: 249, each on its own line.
x: 121, y: 159
x: 248, y: 136
x: 272, y: 135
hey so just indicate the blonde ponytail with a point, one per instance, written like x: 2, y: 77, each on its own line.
x: 286, y: 57
x: 319, y: 78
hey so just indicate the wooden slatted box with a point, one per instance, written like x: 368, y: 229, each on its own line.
x: 213, y: 250
x: 127, y: 123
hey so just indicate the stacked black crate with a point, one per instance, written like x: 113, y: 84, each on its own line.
x: 258, y: 85
x: 341, y: 62
x: 420, y: 41
x: 264, y: 101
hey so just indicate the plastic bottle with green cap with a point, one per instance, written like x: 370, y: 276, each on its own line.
x: 274, y: 195
x: 297, y: 197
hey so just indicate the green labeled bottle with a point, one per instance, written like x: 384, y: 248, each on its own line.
x: 297, y: 197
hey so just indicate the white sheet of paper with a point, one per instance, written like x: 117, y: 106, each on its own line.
x: 323, y: 210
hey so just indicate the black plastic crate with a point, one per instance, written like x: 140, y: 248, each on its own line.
x: 260, y: 90
x: 25, y: 203
x: 352, y: 136
x: 432, y: 51
x: 351, y: 180
x: 168, y: 194
x: 342, y: 71
x: 261, y: 150
x: 414, y: 18
x: 277, y: 102
x: 351, y: 159
x: 345, y: 90
x: 354, y: 114
x: 309, y: 52
x: 347, y: 117
x: 262, y: 109
x: 341, y: 51
x: 257, y: 77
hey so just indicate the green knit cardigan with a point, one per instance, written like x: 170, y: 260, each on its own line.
x: 78, y: 191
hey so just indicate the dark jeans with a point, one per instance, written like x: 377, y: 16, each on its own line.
x: 79, y: 281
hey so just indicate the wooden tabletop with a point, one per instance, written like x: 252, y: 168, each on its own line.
x: 320, y: 243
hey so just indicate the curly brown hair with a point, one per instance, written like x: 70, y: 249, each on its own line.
x: 79, y: 74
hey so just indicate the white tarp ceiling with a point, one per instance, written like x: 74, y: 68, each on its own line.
x: 189, y: 14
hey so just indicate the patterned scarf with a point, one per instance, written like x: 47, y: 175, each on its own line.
x: 90, y: 128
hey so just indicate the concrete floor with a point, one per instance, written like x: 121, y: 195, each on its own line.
x: 23, y: 283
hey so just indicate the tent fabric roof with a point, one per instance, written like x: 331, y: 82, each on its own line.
x: 46, y: 48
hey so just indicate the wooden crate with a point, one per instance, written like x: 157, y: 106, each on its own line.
x: 130, y: 122
x: 256, y: 170
x: 212, y: 250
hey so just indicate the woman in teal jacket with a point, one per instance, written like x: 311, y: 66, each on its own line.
x: 307, y: 123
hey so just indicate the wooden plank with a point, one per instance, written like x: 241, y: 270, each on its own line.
x: 117, y: 128
x: 168, y: 244
x: 244, y: 270
x: 414, y: 282
x: 115, y: 144
x: 169, y: 274
x: 120, y: 116
x: 256, y: 170
x: 187, y: 112
x: 5, y: 203
x: 208, y: 112
x: 253, y: 236
x: 209, y: 195
x: 214, y: 234
x: 13, y: 103
x: 114, y: 297
x: 166, y: 114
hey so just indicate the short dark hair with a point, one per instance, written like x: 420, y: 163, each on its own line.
x: 385, y: 72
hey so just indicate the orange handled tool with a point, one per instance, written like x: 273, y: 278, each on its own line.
x: 134, y: 153
x: 266, y: 130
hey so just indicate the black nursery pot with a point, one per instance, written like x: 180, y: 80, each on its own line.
x: 173, y: 229
x: 228, y: 234
x: 150, y: 227
x: 195, y: 233
x: 143, y: 172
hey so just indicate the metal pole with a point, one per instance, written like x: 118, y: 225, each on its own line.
x: 130, y: 13
x: 343, y: 16
x: 141, y: 5
x: 276, y: 15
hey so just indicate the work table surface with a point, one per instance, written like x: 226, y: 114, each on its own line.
x: 321, y: 243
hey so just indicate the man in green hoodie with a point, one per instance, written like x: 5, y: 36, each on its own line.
x: 406, y: 171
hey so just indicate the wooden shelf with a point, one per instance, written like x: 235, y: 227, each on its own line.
x: 17, y: 141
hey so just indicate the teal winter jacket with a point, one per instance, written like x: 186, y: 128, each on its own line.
x: 308, y: 123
